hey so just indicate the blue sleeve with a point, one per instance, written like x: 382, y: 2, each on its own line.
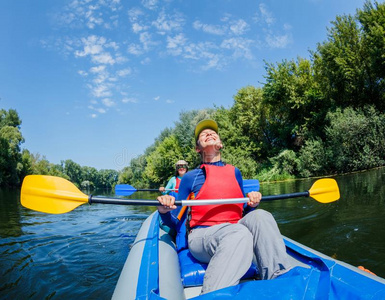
x: 186, y: 184
x: 170, y: 185
x: 171, y: 218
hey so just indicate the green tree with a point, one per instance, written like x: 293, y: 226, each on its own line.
x: 160, y: 163
x: 107, y: 178
x: 89, y: 174
x: 357, y: 139
x: 372, y: 19
x: 26, y: 164
x: 126, y: 175
x: 351, y: 63
x: 10, y: 141
x: 246, y: 123
x: 238, y: 150
x: 41, y: 166
x: 9, y: 118
x: 294, y: 104
x: 313, y: 158
x: 73, y: 171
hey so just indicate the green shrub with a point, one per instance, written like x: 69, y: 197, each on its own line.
x: 312, y: 159
x: 356, y: 138
x: 283, y: 166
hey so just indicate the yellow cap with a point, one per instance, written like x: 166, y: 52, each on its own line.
x: 205, y: 124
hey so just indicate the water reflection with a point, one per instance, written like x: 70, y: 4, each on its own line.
x: 350, y: 229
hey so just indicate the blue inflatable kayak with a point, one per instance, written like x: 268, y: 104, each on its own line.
x: 155, y: 270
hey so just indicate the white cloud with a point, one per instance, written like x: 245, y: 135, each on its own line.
x: 150, y: 4
x: 241, y: 47
x: 82, y: 73
x: 135, y: 49
x: 98, y: 69
x: 175, y: 44
x: 146, y: 61
x: 104, y: 58
x: 95, y: 46
x: 239, y: 27
x: 81, y: 13
x: 278, y: 41
x: 273, y: 38
x: 146, y: 39
x: 124, y: 72
x: 101, y: 110
x: 206, y: 54
x: 129, y: 100
x: 287, y: 27
x: 108, y: 102
x: 169, y: 101
x: 93, y: 18
x: 134, y: 14
x: 100, y: 78
x: 264, y: 15
x: 92, y: 45
x: 212, y: 29
x: 156, y: 98
x: 203, y: 52
x: 112, y: 45
x: 136, y: 28
x: 166, y: 23
x: 101, y: 91
x: 213, y: 63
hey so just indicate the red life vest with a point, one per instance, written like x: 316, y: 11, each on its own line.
x: 177, y: 184
x: 220, y: 183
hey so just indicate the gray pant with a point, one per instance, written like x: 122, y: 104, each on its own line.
x: 229, y: 249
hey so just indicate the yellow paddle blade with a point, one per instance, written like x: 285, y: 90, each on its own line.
x: 325, y: 190
x: 50, y: 194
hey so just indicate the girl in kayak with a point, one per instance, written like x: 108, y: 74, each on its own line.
x: 227, y: 237
x: 181, y: 168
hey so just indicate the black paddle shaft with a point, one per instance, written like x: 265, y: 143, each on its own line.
x: 106, y: 200
x: 286, y: 196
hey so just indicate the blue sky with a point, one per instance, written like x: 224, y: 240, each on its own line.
x: 96, y: 81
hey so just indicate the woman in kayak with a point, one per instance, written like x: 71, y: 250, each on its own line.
x: 181, y: 168
x: 225, y: 236
x: 172, y: 187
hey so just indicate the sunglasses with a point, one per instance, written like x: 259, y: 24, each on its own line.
x: 181, y: 167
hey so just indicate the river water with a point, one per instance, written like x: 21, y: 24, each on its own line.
x: 80, y: 254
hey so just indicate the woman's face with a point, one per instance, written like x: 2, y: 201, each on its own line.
x: 182, y: 169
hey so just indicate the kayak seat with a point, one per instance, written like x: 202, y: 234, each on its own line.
x: 193, y: 271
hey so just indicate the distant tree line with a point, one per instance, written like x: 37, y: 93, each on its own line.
x: 312, y: 117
